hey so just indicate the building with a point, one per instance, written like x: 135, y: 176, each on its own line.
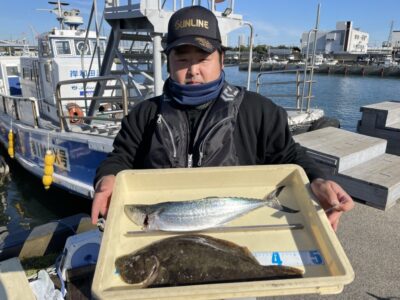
x: 395, y: 40
x: 241, y: 40
x: 344, y: 39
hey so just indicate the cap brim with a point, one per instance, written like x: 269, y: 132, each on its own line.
x: 205, y: 44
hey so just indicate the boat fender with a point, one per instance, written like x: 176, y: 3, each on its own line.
x: 48, y: 170
x: 11, y: 143
x: 75, y: 113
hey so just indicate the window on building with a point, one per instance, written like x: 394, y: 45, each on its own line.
x: 12, y: 71
x: 26, y: 73
x: 63, y: 48
x: 356, y: 36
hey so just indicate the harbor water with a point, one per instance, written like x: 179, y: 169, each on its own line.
x: 25, y: 204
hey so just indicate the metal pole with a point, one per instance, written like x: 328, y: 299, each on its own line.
x: 158, y: 82
x: 297, y: 89
x: 313, y: 60
x: 250, y: 54
x: 312, y: 64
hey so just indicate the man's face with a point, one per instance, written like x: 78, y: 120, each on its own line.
x: 191, y: 65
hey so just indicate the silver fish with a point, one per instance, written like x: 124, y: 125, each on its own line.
x: 195, y: 215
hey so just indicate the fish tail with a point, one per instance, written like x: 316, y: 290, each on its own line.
x: 272, y: 201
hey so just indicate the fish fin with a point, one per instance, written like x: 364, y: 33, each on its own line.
x: 153, y: 273
x: 272, y: 200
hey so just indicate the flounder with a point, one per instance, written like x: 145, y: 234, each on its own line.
x: 195, y: 259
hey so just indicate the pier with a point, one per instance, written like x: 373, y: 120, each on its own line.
x: 341, y: 69
x: 382, y: 120
x: 359, y: 163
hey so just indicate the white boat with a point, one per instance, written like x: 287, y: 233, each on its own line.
x: 76, y: 91
x: 32, y: 113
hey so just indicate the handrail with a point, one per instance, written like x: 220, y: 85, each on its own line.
x: 59, y: 100
x: 16, y: 108
x: 126, y: 6
x: 297, y: 82
x: 307, y: 68
x: 315, y: 31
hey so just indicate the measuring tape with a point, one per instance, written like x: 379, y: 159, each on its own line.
x: 289, y: 258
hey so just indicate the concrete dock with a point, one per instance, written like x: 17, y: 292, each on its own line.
x: 370, y: 237
x: 359, y: 163
x: 382, y: 120
x: 371, y: 240
x: 339, y: 69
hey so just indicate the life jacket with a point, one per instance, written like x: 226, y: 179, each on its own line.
x: 213, y: 144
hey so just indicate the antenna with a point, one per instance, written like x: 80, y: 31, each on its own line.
x: 58, y: 11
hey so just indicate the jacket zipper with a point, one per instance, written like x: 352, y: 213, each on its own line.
x: 201, y: 152
x: 161, y: 119
x: 190, y: 160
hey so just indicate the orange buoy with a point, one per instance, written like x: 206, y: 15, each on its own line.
x: 11, y: 143
x: 75, y: 113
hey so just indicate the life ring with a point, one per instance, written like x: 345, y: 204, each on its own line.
x: 75, y: 113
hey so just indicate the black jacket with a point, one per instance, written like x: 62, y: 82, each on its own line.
x: 261, y: 135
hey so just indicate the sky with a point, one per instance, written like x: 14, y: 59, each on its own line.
x: 278, y: 22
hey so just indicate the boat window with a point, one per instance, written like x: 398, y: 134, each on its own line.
x: 47, y: 72
x: 101, y: 46
x: 45, y: 47
x: 63, y: 48
x: 81, y: 46
x: 12, y: 71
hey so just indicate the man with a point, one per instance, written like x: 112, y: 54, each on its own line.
x: 201, y: 120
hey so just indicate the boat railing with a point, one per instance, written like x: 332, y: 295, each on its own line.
x: 299, y: 82
x: 113, y: 107
x: 302, y: 83
x: 23, y: 109
x: 132, y: 6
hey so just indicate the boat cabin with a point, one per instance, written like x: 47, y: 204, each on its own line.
x: 62, y: 55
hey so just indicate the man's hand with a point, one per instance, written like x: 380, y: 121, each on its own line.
x: 333, y: 199
x: 102, y: 197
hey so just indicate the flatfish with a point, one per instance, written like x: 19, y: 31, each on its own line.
x: 195, y: 215
x: 195, y: 259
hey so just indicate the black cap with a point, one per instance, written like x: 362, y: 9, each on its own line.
x: 196, y: 26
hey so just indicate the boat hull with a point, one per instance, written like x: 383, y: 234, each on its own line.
x: 77, y: 156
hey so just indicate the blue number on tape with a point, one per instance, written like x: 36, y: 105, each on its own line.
x: 316, y: 257
x: 276, y: 259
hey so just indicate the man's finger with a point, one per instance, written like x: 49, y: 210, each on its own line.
x: 334, y: 219
x: 96, y: 208
x: 95, y: 214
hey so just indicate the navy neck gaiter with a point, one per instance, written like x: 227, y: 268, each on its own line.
x: 195, y: 94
